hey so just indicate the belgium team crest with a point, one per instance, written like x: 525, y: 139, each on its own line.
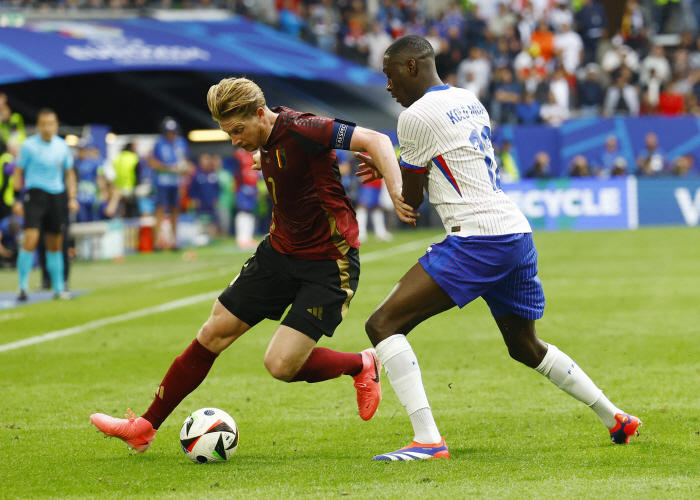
x: 281, y: 159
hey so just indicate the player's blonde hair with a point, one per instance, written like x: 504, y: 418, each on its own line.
x: 234, y: 98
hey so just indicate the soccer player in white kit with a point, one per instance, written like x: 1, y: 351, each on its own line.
x: 444, y: 140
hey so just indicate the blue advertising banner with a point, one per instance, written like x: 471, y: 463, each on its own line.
x: 669, y: 202
x: 677, y: 136
x: 576, y: 204
x: 237, y: 45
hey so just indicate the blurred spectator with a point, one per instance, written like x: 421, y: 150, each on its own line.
x: 475, y: 28
x: 651, y: 160
x: 204, y: 192
x: 671, y: 102
x: 590, y: 92
x: 289, y: 20
x: 682, y: 165
x: 633, y: 25
x: 540, y: 168
x: 553, y: 113
x: 246, y: 199
x: 651, y: 93
x: 656, y: 61
x: 527, y: 24
x: 528, y: 110
x: 368, y: 200
x: 543, y: 39
x: 505, y: 18
x: 506, y: 96
x: 579, y: 167
x: 561, y: 15
x: 569, y: 47
x: 91, y: 183
x: 622, y: 97
x: 224, y: 209
x: 126, y: 167
x: 694, y: 57
x: 475, y: 72
x: 619, y: 168
x: 11, y: 125
x: 510, y: 171
x: 7, y: 170
x: 354, y: 46
x: 170, y: 161
x: 619, y: 56
x: 611, y: 157
x: 378, y: 40
x: 325, y: 19
x: 10, y: 230
x: 559, y: 86
x: 592, y: 25
x: 665, y: 10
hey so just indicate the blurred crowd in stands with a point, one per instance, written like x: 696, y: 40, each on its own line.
x: 529, y: 61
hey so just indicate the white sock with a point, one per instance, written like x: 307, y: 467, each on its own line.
x: 561, y: 370
x: 245, y: 226
x: 606, y: 411
x: 378, y: 223
x: 361, y: 213
x: 403, y: 372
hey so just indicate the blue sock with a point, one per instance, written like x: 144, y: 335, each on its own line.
x: 54, y: 263
x: 25, y: 263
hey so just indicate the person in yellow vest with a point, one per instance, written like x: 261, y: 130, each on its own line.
x: 7, y: 169
x: 126, y: 166
x: 11, y: 124
x: 510, y: 172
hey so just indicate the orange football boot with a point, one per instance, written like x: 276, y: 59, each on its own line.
x: 369, y: 392
x: 137, y: 433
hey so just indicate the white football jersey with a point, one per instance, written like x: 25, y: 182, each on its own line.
x: 447, y: 132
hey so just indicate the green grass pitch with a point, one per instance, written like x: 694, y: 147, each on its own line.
x: 624, y: 305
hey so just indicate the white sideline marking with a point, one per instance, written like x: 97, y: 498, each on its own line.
x: 90, y: 325
x: 187, y: 301
x: 8, y: 317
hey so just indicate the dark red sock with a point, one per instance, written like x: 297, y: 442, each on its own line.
x: 324, y: 364
x: 185, y: 374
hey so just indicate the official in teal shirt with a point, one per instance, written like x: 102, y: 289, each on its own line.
x: 45, y: 169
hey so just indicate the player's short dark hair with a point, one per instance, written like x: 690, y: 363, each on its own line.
x: 411, y: 47
x: 45, y: 111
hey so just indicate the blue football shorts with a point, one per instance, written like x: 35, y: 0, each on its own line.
x: 368, y: 196
x: 168, y: 196
x: 501, y: 269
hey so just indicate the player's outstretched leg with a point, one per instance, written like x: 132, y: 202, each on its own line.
x: 524, y: 346
x: 416, y: 298
x: 290, y: 348
x: 185, y: 374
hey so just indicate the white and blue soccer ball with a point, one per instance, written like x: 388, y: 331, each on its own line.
x: 209, y: 435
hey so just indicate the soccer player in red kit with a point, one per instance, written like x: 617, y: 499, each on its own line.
x: 309, y: 260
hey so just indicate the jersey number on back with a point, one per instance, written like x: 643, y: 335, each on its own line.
x: 482, y: 142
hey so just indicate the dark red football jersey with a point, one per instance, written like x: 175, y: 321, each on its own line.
x: 312, y: 218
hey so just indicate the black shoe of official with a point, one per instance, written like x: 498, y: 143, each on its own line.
x: 22, y: 296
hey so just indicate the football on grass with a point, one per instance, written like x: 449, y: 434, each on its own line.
x: 209, y: 435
